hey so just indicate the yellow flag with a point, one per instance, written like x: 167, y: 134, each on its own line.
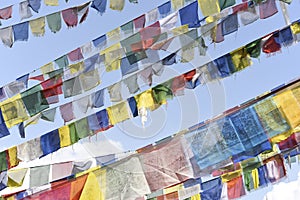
x: 91, y: 189
x: 101, y: 178
x: 16, y: 177
x: 231, y: 175
x: 145, y: 100
x: 64, y: 135
x: 209, y: 8
x: 287, y: 102
x: 118, y: 113
x: 173, y: 189
x: 177, y: 4
x: 37, y: 26
x: 240, y: 58
x: 12, y: 154
x: 113, y: 55
x: 295, y: 27
x: 14, y: 111
x: 114, y: 35
x: 180, y: 30
x: 281, y: 137
x: 117, y: 4
x: 77, y: 67
x: 255, y: 178
x: 196, y: 197
x: 49, y: 67
x: 51, y: 2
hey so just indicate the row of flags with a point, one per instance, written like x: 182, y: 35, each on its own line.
x: 258, y: 123
x: 163, y: 170
x: 83, y: 76
x: 26, y: 7
x: 226, y: 147
x: 33, y: 103
x: 188, y: 15
x: 154, y: 33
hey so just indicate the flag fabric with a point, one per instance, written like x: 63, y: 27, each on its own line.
x: 5, y: 13
x: 39, y: 175
x: 117, y: 4
x: 29, y: 150
x: 54, y: 22
x: 35, y: 5
x: 34, y: 100
x: 189, y: 15
x: 13, y: 111
x: 50, y: 142
x: 66, y: 111
x: 6, y: 35
x: 115, y: 92
x: 99, y: 5
x: 21, y: 31
x: 164, y: 9
x: 37, y: 26
x: 24, y: 10
x: 118, y: 112
x: 70, y: 17
x: 64, y: 136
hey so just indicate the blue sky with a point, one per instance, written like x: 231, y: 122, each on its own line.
x: 182, y: 112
